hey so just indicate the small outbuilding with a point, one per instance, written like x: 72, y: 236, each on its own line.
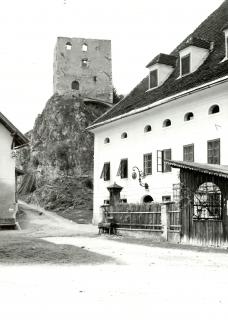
x: 203, y: 203
x: 10, y: 140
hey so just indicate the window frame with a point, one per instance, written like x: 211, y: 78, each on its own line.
x: 210, y: 111
x: 85, y: 62
x: 161, y: 157
x: 186, y: 56
x: 164, y: 124
x: 213, y: 150
x: 226, y: 46
x: 186, y: 119
x: 124, y: 135
x: 75, y: 84
x: 155, y: 72
x: 147, y: 128
x: 147, y: 169
x: 123, y: 168
x: 184, y: 148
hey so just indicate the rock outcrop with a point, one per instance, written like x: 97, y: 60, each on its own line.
x: 59, y: 160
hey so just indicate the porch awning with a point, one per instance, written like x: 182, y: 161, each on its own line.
x: 212, y: 169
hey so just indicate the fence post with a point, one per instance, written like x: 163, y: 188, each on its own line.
x: 164, y: 220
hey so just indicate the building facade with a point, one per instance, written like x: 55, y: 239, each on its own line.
x: 11, y: 139
x: 83, y: 66
x: 178, y: 112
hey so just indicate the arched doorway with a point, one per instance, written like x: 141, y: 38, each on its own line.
x: 208, y: 202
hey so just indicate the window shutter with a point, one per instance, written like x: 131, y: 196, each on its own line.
x: 119, y: 169
x: 167, y: 156
x: 160, y: 161
x: 107, y: 171
x: 102, y: 172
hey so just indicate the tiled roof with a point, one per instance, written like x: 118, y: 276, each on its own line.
x: 210, y: 31
x: 212, y: 169
x: 164, y: 59
x: 197, y: 42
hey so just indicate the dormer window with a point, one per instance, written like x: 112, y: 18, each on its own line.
x: 226, y: 45
x: 153, y: 79
x: 160, y: 68
x: 185, y: 65
x: 193, y: 53
x: 225, y: 30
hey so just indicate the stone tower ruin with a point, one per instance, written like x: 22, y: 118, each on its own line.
x: 83, y: 67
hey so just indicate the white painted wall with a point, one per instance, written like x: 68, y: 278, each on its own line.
x: 202, y: 128
x: 7, y: 177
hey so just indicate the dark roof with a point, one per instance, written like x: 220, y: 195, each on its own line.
x: 163, y: 59
x: 114, y: 186
x: 19, y: 138
x: 212, y: 169
x: 211, y: 69
x: 197, y: 42
x: 225, y: 26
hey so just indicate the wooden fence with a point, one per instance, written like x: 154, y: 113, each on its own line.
x: 137, y: 216
x: 173, y: 217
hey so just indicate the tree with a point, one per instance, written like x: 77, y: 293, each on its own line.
x: 116, y: 97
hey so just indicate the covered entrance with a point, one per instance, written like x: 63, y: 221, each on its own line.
x: 203, y: 203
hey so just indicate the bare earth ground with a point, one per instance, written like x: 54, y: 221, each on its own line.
x: 56, y: 269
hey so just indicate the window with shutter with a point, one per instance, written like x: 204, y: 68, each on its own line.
x: 213, y: 151
x: 123, y: 169
x: 163, y: 155
x: 167, y: 156
x: 105, y: 174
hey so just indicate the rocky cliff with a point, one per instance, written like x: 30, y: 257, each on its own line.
x: 59, y: 161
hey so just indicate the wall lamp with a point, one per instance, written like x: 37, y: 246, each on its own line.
x: 140, y: 176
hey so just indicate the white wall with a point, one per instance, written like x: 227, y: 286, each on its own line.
x: 202, y: 128
x: 7, y: 177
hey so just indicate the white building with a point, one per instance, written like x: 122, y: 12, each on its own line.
x: 10, y: 140
x: 178, y: 112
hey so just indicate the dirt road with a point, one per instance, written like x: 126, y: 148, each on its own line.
x: 66, y: 271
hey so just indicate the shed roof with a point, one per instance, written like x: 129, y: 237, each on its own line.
x: 212, y: 169
x: 212, y: 69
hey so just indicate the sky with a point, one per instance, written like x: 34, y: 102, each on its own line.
x: 138, y: 29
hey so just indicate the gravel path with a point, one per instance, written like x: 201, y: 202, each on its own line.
x: 67, y: 271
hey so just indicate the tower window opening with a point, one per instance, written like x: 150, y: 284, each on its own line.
x: 84, y: 62
x: 75, y: 85
x: 84, y: 47
x: 68, y: 46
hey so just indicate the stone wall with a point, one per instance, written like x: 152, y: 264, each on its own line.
x: 87, y: 63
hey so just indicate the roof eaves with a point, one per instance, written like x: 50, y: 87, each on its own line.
x: 220, y: 171
x: 157, y: 103
x: 20, y: 139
